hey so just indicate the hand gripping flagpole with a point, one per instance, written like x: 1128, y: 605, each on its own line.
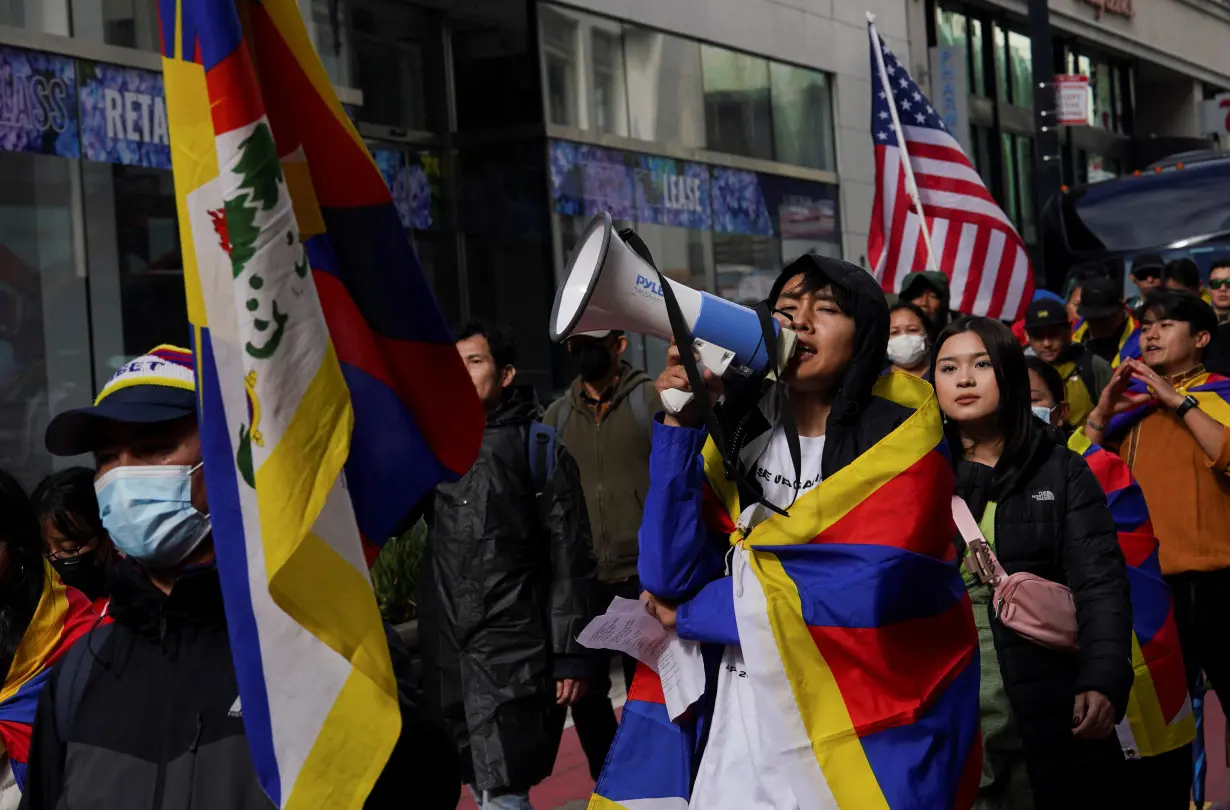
x: 910, y: 185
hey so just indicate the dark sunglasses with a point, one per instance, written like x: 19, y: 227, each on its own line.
x: 1149, y: 273
x: 1219, y: 283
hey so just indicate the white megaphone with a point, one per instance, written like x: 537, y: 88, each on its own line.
x: 608, y: 286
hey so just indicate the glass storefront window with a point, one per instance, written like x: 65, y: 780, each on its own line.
x: 975, y: 44
x: 608, y: 107
x: 1001, y: 63
x: 738, y: 115
x: 44, y: 335
x: 127, y: 23
x: 746, y: 266
x: 47, y: 16
x: 327, y: 26
x: 583, y: 70
x: 1011, y: 172
x: 1025, y: 170
x: 665, y: 90
x: 137, y: 296
x: 389, y: 63
x: 802, y: 116
x: 1102, y: 84
x: 1022, y: 69
x: 559, y: 54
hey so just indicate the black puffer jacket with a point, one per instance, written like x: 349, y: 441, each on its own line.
x: 506, y: 588
x: 1052, y: 520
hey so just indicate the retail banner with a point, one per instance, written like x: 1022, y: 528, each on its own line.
x: 589, y: 179
x: 414, y: 182
x: 38, y: 103
x: 672, y: 192
x: 123, y: 116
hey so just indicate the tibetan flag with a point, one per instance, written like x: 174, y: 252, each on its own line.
x: 651, y: 761
x: 331, y: 398
x: 63, y: 615
x: 1159, y: 715
x: 1129, y: 339
x: 1211, y: 390
x: 857, y: 634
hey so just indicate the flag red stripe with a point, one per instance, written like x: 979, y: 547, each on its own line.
x: 1003, y: 278
x: 896, y: 238
x: 936, y: 182
x: 977, y: 263
x: 883, y: 672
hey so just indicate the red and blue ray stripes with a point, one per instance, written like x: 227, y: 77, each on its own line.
x: 651, y: 758
x: 62, y: 617
x: 1211, y: 390
x: 1153, y: 619
x: 886, y: 607
x: 418, y: 420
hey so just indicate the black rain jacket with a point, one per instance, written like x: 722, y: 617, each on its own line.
x: 505, y: 589
x: 1052, y: 520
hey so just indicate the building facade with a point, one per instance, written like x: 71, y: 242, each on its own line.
x: 732, y: 134
x: 1149, y: 65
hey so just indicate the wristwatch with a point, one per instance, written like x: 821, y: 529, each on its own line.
x: 1186, y: 405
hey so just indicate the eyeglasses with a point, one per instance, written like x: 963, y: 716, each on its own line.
x: 1219, y: 283
x: 61, y: 554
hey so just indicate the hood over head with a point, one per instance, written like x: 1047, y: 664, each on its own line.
x: 860, y: 296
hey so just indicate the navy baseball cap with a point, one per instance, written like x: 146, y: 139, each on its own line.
x: 156, y: 387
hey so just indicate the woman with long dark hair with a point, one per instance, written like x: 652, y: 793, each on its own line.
x: 1047, y: 716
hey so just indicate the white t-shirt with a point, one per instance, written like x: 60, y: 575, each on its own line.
x: 775, y: 472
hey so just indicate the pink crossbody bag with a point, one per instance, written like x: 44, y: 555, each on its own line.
x: 1036, y: 608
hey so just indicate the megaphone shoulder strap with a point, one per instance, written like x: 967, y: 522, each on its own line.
x: 696, y: 381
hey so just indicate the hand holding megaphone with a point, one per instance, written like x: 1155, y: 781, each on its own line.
x: 673, y: 381
x: 610, y: 285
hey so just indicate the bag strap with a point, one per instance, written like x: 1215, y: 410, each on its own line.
x: 74, y: 675
x: 541, y: 440
x: 981, y: 560
x: 562, y: 412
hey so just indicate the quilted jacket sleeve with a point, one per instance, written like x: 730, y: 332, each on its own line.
x: 1097, y: 575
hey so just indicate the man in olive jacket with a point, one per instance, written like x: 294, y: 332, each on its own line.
x: 604, y: 422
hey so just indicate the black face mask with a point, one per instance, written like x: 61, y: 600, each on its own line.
x: 83, y: 573
x: 594, y: 361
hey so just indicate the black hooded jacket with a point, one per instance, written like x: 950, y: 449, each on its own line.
x: 505, y: 589
x: 857, y: 420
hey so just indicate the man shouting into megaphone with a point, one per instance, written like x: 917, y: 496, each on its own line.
x: 823, y: 577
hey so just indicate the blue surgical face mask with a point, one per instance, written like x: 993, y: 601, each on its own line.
x: 149, y: 513
x: 1042, y: 412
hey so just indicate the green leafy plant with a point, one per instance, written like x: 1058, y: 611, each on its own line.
x: 395, y: 576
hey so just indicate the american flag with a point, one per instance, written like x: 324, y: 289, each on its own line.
x: 974, y: 242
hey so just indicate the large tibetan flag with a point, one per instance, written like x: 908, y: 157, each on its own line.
x: 857, y: 632
x: 63, y: 616
x: 1159, y: 714
x: 319, y: 350
x: 1211, y: 390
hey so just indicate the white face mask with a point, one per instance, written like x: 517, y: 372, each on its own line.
x: 1042, y: 412
x: 907, y: 350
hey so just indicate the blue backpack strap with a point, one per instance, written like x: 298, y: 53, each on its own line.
x: 74, y: 675
x: 541, y: 452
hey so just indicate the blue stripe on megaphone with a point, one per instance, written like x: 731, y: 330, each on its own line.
x: 733, y: 327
